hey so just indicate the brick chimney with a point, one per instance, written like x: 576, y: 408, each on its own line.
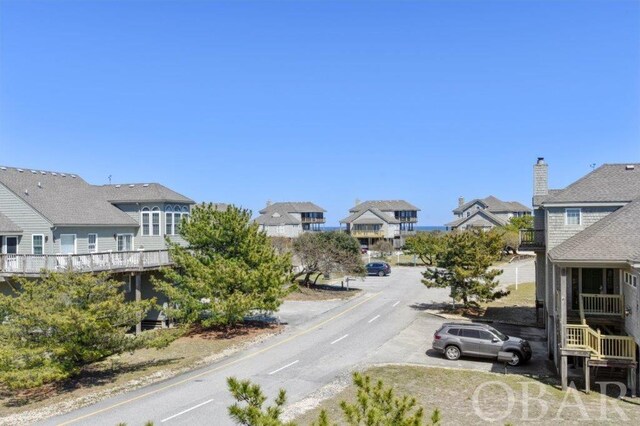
x: 460, y: 201
x: 540, y: 177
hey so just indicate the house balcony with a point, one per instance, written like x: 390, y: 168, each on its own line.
x: 364, y: 233
x: 407, y: 219
x: 312, y: 219
x: 532, y: 239
x: 121, y: 261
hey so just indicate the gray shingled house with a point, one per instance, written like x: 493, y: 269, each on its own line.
x: 57, y: 221
x: 290, y: 219
x: 587, y: 245
x: 485, y: 213
x: 391, y: 220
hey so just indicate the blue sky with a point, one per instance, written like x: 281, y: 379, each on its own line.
x: 325, y: 101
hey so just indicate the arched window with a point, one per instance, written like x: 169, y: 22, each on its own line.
x: 185, y: 212
x: 145, y: 219
x: 155, y: 221
x: 168, y: 220
x: 177, y: 218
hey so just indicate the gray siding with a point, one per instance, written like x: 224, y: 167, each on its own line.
x: 26, y: 218
x: 150, y: 242
x: 557, y: 231
x: 106, y: 241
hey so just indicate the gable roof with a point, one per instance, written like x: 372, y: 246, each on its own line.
x: 485, y: 213
x: 607, y: 183
x: 382, y: 215
x: 63, y: 198
x: 276, y: 218
x: 141, y: 192
x: 294, y: 207
x: 495, y: 205
x: 613, y: 238
x: 7, y: 226
x: 384, y: 205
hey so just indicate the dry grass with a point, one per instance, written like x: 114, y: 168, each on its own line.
x: 127, y: 371
x: 518, y: 307
x: 322, y: 292
x: 452, y: 392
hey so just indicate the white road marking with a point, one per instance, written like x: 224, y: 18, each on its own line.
x: 337, y: 340
x: 395, y: 304
x: 186, y: 411
x: 374, y: 318
x: 286, y: 366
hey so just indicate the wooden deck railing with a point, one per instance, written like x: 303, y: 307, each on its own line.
x: 532, y: 238
x: 601, y: 304
x: 31, y: 264
x: 367, y: 233
x: 601, y: 346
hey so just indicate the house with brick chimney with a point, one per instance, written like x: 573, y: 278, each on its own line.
x: 586, y: 238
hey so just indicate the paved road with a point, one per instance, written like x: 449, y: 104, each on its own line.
x: 320, y: 344
x: 522, y: 271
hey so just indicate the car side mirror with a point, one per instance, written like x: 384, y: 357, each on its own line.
x: 495, y: 340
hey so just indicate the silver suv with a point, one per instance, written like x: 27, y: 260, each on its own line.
x: 457, y: 339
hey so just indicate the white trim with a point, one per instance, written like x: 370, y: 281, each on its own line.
x: 124, y: 234
x: 145, y: 212
x: 75, y: 243
x: 566, y: 216
x: 96, y: 243
x: 155, y: 211
x: 33, y: 245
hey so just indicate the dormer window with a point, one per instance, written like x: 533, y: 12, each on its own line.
x: 573, y: 216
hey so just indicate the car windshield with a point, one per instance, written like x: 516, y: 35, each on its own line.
x: 500, y: 335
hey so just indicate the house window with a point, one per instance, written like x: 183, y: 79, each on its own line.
x: 468, y: 214
x: 185, y: 212
x: 573, y: 217
x: 125, y: 242
x: 177, y: 219
x: 145, y: 220
x: 631, y: 280
x: 155, y: 221
x: 92, y: 243
x: 168, y: 220
x: 37, y: 246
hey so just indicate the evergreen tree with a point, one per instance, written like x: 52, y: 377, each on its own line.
x: 51, y: 326
x: 463, y: 266
x: 326, y: 253
x: 425, y: 245
x: 228, y: 269
x: 251, y: 412
x: 376, y: 405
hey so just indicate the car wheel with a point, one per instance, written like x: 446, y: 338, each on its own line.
x: 516, y: 359
x: 381, y: 274
x: 452, y: 353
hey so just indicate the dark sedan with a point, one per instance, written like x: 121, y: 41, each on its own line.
x: 378, y: 268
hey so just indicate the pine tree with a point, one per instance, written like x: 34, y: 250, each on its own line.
x: 464, y: 266
x: 228, y: 269
x: 251, y: 412
x: 54, y: 325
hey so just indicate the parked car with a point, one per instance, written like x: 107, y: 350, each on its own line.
x: 378, y: 268
x: 468, y: 339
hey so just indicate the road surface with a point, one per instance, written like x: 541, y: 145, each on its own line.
x: 312, y: 352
